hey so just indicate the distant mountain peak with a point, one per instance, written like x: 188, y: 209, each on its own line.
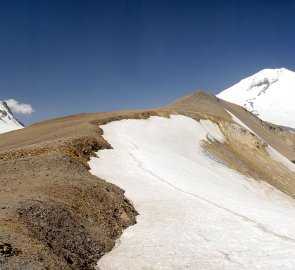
x: 7, y: 120
x: 269, y: 94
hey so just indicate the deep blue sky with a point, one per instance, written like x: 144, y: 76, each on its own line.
x: 72, y: 56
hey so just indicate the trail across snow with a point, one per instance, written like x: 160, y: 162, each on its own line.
x: 194, y: 213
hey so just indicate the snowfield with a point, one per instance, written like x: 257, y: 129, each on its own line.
x: 270, y: 94
x: 7, y: 127
x: 194, y: 213
x: 7, y: 121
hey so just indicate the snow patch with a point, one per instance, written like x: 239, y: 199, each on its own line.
x: 280, y: 158
x: 238, y: 121
x: 194, y: 213
x: 213, y: 131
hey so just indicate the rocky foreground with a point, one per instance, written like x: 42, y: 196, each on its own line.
x: 54, y: 213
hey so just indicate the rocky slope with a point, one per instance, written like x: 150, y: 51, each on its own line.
x: 56, y: 215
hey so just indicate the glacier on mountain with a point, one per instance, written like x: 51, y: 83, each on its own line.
x: 269, y: 94
x: 7, y: 121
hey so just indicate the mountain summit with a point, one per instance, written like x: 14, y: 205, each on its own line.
x: 7, y: 121
x: 269, y: 94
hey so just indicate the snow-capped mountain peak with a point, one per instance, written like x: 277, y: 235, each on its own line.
x: 7, y: 121
x: 269, y: 94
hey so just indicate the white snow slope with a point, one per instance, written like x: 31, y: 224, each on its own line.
x: 269, y: 94
x: 194, y: 213
x: 7, y: 120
